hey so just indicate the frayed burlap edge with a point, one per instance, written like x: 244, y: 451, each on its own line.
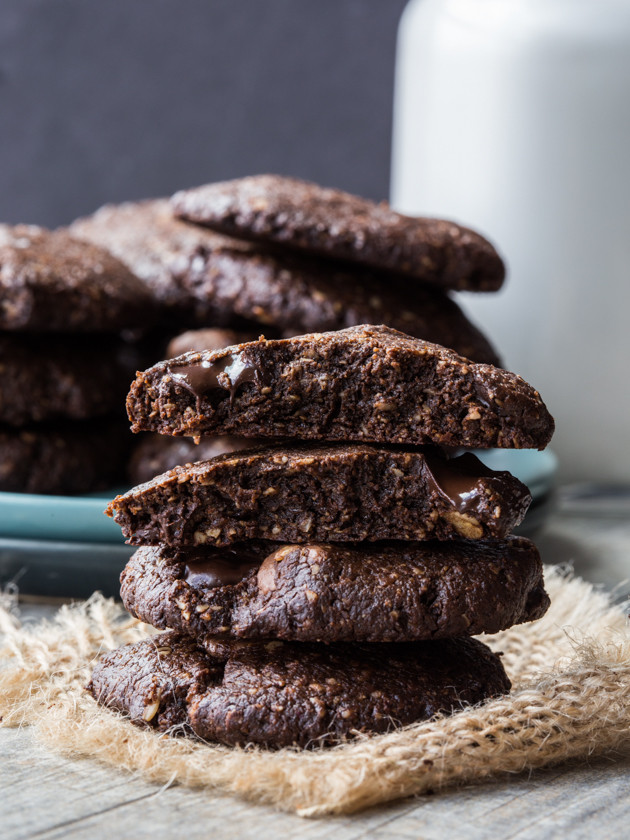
x: 571, y: 699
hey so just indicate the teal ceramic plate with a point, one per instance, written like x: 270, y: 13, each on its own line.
x: 535, y: 469
x: 65, y: 546
x: 81, y: 518
x: 67, y: 518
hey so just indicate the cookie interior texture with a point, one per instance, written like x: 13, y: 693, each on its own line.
x: 305, y: 216
x: 306, y: 493
x: 280, y: 693
x: 379, y: 592
x: 367, y: 383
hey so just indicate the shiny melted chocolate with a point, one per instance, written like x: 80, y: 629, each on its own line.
x: 219, y: 571
x: 228, y: 373
x: 457, y: 479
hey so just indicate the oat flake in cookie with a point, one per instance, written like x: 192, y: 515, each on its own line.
x: 325, y: 492
x: 51, y: 282
x: 301, y: 215
x: 368, y: 383
x: 322, y: 592
x: 279, y: 693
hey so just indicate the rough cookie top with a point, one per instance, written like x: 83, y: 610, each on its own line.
x: 207, y: 278
x: 51, y: 282
x: 367, y: 383
x: 332, y: 592
x: 157, y: 247
x: 281, y: 693
x: 302, y: 215
x: 297, y: 294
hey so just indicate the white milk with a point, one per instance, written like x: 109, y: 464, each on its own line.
x: 513, y: 116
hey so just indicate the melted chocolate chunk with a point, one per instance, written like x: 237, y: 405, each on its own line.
x: 458, y: 479
x: 220, y: 570
x: 228, y: 373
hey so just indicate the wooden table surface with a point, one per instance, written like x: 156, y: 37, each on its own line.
x: 46, y: 796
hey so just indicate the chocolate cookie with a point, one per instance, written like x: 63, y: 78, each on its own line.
x: 279, y: 693
x: 65, y: 458
x: 51, y: 282
x: 205, y: 278
x: 375, y: 592
x: 159, y: 249
x: 74, y: 377
x: 302, y: 215
x: 304, y: 494
x: 210, y: 339
x: 364, y: 383
x: 155, y: 454
x: 296, y: 295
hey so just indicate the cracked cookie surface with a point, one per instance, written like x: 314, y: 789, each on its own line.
x: 379, y: 592
x: 281, y: 693
x: 304, y: 216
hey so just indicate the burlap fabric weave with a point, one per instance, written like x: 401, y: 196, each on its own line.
x: 571, y: 699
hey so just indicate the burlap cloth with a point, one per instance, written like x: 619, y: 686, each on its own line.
x: 571, y: 699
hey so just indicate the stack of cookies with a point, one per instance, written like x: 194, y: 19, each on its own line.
x: 328, y: 584
x: 65, y: 365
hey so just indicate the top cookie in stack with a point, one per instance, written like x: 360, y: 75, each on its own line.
x: 367, y: 264
x: 366, y: 383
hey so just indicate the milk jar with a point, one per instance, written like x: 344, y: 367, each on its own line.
x: 513, y: 116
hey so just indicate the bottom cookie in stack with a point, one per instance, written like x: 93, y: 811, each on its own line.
x: 282, y: 693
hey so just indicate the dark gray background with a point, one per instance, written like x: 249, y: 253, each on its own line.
x: 104, y: 100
